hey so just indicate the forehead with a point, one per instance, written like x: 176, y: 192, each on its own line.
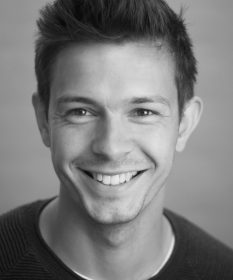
x: 137, y: 68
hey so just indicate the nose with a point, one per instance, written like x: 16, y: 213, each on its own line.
x: 112, y: 140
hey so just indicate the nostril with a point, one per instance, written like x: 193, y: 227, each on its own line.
x: 111, y: 150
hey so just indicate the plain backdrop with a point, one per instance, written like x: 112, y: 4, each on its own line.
x: 200, y: 186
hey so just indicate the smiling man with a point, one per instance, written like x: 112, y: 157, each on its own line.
x: 114, y: 103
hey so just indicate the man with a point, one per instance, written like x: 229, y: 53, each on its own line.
x: 114, y: 103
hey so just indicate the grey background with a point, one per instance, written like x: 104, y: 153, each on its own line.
x: 200, y: 186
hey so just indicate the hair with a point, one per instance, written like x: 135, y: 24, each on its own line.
x: 65, y: 22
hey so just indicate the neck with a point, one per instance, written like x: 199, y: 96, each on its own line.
x: 131, y: 250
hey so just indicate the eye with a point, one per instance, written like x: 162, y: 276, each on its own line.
x: 79, y: 112
x: 140, y: 112
x: 79, y: 115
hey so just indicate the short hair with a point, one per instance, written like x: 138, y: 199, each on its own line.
x: 64, y: 22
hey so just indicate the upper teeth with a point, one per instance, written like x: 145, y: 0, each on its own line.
x: 114, y: 179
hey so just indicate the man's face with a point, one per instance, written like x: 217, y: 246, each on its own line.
x: 113, y: 126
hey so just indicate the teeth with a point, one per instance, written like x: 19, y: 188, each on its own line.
x: 128, y: 176
x: 122, y: 178
x: 99, y: 177
x: 115, y: 179
x: 106, y: 179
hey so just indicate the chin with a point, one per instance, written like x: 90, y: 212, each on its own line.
x: 114, y: 215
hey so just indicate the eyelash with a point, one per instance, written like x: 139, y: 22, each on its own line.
x: 147, y: 112
x: 78, y: 112
x: 139, y: 112
x: 82, y: 115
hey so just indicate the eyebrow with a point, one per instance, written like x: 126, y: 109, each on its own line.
x: 156, y: 99
x: 134, y: 100
x: 76, y: 99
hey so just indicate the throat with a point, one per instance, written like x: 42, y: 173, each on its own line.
x: 134, y: 250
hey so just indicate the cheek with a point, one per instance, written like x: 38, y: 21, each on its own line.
x: 69, y: 142
x: 158, y: 142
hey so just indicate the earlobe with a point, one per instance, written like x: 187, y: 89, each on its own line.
x: 41, y: 118
x: 190, y: 119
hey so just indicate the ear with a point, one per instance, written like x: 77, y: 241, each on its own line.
x: 190, y: 119
x: 41, y: 117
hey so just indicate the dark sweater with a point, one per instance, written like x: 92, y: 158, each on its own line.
x: 24, y: 254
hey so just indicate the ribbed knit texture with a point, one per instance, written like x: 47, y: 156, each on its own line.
x: 24, y: 255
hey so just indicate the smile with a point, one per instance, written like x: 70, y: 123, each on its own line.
x: 113, y: 180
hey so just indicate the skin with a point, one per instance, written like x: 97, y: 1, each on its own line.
x: 113, y: 109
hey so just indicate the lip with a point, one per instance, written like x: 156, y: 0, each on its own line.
x: 113, y: 173
x: 88, y: 174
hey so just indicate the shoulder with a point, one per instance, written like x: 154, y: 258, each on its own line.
x: 15, y: 230
x: 204, y: 254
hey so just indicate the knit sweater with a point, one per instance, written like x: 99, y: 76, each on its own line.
x: 25, y: 255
